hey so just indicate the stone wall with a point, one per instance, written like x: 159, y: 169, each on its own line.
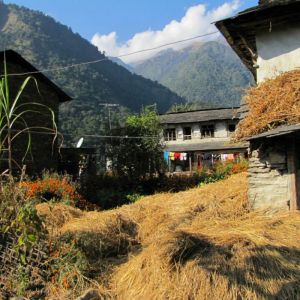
x: 268, y: 175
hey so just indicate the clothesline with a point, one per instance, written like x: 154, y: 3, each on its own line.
x: 175, y: 156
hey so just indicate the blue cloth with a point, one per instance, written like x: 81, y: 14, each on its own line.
x: 166, y: 155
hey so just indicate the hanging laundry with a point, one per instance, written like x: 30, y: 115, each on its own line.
x: 224, y: 157
x: 171, y: 155
x: 166, y: 155
x: 176, y: 155
x: 183, y: 156
x: 230, y: 157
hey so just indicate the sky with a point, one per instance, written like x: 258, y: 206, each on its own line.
x: 122, y: 26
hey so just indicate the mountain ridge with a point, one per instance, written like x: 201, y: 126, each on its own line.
x: 48, y: 44
x: 208, y: 72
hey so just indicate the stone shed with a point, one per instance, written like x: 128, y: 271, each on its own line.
x: 274, y: 168
x: 44, y: 154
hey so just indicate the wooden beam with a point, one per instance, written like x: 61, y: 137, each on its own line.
x: 292, y: 171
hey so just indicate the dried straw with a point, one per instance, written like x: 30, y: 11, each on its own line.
x: 204, y: 243
x: 273, y: 103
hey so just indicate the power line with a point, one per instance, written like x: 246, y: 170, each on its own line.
x: 86, y: 135
x: 106, y: 58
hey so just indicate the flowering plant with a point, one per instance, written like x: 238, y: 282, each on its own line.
x: 55, y: 187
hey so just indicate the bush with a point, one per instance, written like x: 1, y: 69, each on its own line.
x: 23, y: 246
x: 52, y: 187
x: 56, y: 188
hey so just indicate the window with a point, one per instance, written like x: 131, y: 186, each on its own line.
x: 207, y: 131
x: 231, y: 128
x: 187, y: 133
x: 170, y: 134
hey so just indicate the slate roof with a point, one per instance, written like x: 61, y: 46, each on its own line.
x: 240, y: 30
x: 207, y: 146
x: 200, y: 116
x: 28, y: 67
x: 279, y: 131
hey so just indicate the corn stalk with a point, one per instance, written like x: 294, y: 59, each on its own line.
x: 13, y: 118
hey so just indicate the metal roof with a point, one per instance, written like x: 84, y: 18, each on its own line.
x: 13, y: 56
x: 200, y: 116
x: 207, y: 146
x: 279, y: 131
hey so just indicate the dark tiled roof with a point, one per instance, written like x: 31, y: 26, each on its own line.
x: 200, y: 116
x: 207, y: 146
x: 28, y: 67
x: 282, y: 130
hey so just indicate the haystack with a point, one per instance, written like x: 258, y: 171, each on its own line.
x: 273, y: 103
x: 199, y: 244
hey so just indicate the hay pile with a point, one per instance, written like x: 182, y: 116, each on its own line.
x: 55, y: 215
x: 199, y: 244
x: 273, y: 103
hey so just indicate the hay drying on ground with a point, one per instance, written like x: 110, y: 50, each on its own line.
x: 204, y: 243
x: 273, y: 103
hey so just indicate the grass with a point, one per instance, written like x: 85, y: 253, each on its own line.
x: 204, y: 243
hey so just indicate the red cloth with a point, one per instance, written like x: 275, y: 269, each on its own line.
x: 177, y: 155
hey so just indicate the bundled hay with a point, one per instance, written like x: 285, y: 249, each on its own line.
x: 273, y: 103
x: 199, y: 244
x: 56, y: 215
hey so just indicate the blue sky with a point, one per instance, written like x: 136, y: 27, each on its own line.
x: 119, y: 26
x: 123, y: 16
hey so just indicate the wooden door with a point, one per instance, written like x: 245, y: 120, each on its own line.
x: 297, y: 177
x: 293, y: 162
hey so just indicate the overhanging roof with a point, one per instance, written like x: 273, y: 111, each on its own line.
x: 199, y: 116
x: 207, y: 146
x: 279, y: 131
x: 241, y: 29
x: 17, y: 58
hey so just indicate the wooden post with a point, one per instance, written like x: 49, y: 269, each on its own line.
x: 292, y: 170
x: 190, y: 162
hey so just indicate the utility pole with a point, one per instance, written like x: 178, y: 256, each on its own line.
x: 109, y: 106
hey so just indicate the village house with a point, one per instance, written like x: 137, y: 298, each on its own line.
x: 197, y: 139
x: 44, y: 154
x: 267, y: 39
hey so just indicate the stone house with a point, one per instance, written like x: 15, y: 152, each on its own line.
x: 202, y: 135
x: 267, y: 39
x: 44, y: 155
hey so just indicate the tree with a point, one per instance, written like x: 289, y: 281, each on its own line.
x: 141, y: 153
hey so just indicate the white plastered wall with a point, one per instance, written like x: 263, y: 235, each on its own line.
x: 221, y: 130
x: 278, y: 51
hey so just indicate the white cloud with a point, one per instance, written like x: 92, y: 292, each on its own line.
x: 196, y: 21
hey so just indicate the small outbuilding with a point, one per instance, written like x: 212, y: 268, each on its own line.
x: 44, y: 153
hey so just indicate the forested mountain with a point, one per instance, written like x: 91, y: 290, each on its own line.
x: 204, y: 72
x: 48, y: 44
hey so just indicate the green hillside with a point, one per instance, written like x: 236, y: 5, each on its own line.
x: 204, y: 73
x: 48, y: 44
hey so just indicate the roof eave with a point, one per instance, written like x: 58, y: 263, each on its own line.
x: 14, y: 56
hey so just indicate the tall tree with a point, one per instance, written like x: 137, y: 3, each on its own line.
x: 141, y: 154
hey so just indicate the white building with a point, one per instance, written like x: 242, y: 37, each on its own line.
x: 203, y: 135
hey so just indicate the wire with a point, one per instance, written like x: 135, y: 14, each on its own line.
x: 88, y: 135
x: 106, y: 58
